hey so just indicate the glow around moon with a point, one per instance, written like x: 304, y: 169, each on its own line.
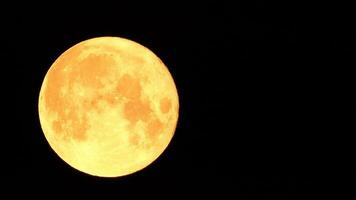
x: 108, y: 106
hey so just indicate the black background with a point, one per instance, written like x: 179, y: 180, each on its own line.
x: 267, y: 103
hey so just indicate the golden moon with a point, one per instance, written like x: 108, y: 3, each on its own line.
x: 108, y: 106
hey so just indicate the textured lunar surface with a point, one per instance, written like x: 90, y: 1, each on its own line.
x: 108, y: 106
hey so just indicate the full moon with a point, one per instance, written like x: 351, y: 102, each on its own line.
x: 108, y: 106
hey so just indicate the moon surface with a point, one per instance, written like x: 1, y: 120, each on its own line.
x: 108, y: 106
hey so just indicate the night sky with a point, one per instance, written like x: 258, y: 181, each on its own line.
x: 267, y: 98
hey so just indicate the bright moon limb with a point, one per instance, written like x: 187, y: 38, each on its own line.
x: 108, y: 106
